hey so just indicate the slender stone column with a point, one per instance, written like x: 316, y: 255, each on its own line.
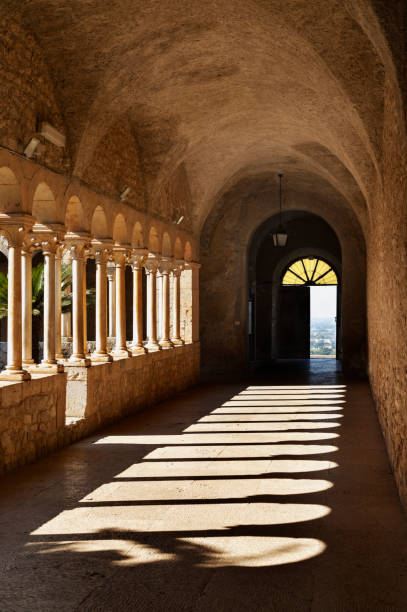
x: 112, y: 299
x: 15, y: 228
x: 137, y: 259
x: 77, y: 250
x: 165, y: 267
x: 101, y: 252
x: 58, y: 297
x: 151, y: 265
x: 176, y: 302
x: 48, y: 250
x: 120, y: 256
x: 26, y: 299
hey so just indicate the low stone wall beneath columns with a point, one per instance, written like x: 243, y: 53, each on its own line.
x: 32, y: 419
x: 106, y: 392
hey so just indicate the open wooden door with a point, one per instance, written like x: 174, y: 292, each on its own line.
x: 294, y: 323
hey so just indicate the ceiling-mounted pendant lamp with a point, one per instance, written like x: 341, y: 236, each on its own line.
x: 280, y: 235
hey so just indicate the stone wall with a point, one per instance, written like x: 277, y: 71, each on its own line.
x: 387, y: 294
x: 106, y: 392
x: 32, y: 419
x: 33, y: 413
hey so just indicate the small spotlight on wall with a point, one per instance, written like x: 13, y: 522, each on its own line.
x: 125, y: 193
x: 31, y: 147
x: 180, y: 220
x: 52, y: 134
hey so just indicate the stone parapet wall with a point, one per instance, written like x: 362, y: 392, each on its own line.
x: 32, y: 419
x: 106, y: 392
x: 32, y: 413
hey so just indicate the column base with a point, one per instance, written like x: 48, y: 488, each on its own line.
x: 47, y: 368
x: 153, y: 347
x: 78, y: 362
x: 166, y: 344
x: 15, y: 375
x: 121, y: 354
x: 138, y: 350
x: 177, y: 341
x: 28, y: 363
x: 101, y: 358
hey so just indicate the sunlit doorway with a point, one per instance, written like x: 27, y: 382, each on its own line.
x: 308, y: 310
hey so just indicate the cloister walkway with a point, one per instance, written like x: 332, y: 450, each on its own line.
x: 274, y: 494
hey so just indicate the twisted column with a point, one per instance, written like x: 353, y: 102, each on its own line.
x: 165, y: 267
x: 176, y: 302
x: 151, y: 264
x: 137, y: 259
x: 120, y: 257
x: 101, y: 253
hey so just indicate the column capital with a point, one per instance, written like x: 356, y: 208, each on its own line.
x: 137, y: 258
x: 77, y: 244
x: 101, y: 250
x: 152, y: 262
x: 166, y: 264
x: 48, y: 237
x: 120, y: 255
x: 177, y: 267
x: 15, y: 227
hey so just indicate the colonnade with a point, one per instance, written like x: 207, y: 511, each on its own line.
x: 111, y: 260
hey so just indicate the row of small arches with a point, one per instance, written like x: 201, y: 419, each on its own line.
x: 99, y: 221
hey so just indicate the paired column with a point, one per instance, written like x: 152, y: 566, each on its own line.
x: 49, y: 362
x: 176, y: 303
x: 58, y: 305
x: 26, y: 303
x: 101, y: 252
x: 112, y: 299
x: 120, y: 257
x: 151, y: 264
x: 137, y: 259
x: 77, y: 246
x: 165, y: 266
x: 15, y: 227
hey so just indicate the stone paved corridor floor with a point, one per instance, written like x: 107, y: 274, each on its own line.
x: 274, y: 494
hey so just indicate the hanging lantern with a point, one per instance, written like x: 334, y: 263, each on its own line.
x: 280, y: 236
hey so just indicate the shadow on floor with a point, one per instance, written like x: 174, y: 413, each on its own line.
x: 268, y: 494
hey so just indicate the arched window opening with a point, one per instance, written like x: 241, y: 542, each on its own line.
x: 310, y: 271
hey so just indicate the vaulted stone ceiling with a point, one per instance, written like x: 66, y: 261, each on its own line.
x: 225, y: 88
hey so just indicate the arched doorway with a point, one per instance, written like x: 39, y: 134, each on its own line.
x: 309, y: 310
x: 311, y: 258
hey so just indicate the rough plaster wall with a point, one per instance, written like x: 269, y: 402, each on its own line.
x: 387, y: 294
x: 115, y: 164
x: 26, y: 94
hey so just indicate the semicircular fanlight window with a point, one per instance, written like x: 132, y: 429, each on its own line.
x: 310, y: 271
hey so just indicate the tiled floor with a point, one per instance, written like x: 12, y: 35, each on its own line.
x: 275, y: 494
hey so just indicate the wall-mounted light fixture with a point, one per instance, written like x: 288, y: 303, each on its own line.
x: 280, y: 235
x: 31, y: 147
x: 180, y: 220
x: 125, y: 193
x: 52, y: 134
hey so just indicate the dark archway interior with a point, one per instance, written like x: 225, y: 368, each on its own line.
x: 307, y: 234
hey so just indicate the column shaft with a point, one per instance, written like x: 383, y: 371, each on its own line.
x: 14, y: 369
x: 49, y: 308
x: 58, y: 297
x: 101, y: 353
x: 152, y: 344
x: 120, y: 350
x: 176, y: 308
x: 137, y: 346
x: 165, y: 341
x: 77, y: 310
x: 26, y: 263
